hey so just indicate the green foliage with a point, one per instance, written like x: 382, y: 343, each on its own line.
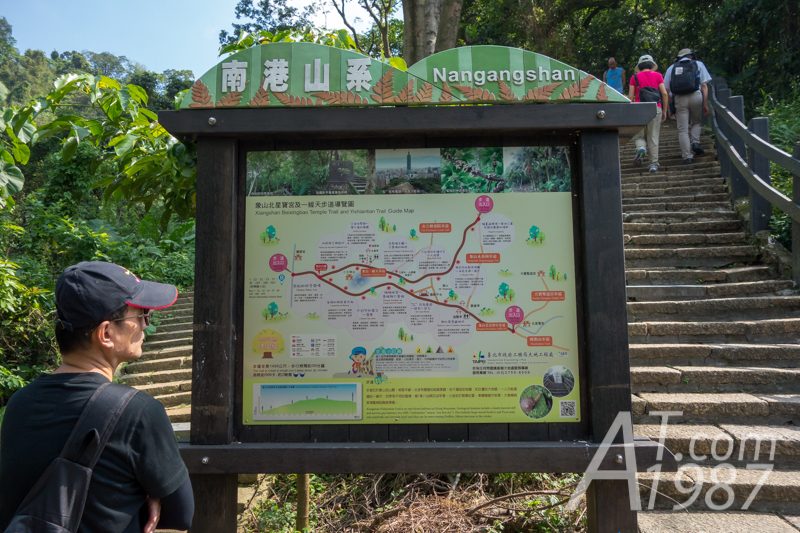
x: 336, y: 39
x: 784, y: 132
x: 539, y: 168
x: 279, y: 516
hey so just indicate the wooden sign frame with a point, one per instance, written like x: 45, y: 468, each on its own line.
x: 221, y: 447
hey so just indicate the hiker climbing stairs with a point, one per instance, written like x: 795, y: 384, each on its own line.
x: 713, y: 333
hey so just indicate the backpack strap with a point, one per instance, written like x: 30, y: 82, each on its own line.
x: 96, y: 423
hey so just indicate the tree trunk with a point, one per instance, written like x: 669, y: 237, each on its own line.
x: 301, y: 522
x: 371, y: 172
x: 449, y: 24
x: 429, y: 26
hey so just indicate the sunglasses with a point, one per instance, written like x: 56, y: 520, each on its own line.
x: 146, y: 316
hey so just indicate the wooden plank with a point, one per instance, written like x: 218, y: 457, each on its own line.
x: 605, y: 314
x: 402, y: 121
x: 528, y: 432
x: 488, y: 432
x: 329, y: 433
x: 565, y: 431
x: 215, y: 498
x: 215, y: 266
x: 448, y: 432
x: 298, y: 433
x: 739, y: 186
x: 402, y: 457
x: 369, y: 433
x: 408, y: 432
x: 760, y: 208
x: 607, y: 511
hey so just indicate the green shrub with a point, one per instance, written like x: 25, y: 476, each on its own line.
x: 784, y: 132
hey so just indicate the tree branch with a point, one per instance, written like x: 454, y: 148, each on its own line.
x: 346, y: 23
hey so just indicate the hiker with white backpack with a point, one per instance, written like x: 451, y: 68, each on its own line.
x: 687, y: 80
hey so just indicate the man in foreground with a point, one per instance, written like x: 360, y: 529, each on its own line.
x: 140, y: 481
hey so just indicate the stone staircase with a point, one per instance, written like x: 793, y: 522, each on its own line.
x: 165, y: 368
x: 713, y: 334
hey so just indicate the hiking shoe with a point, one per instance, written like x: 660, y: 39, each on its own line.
x: 639, y: 159
x: 688, y: 161
x: 653, y: 168
x: 697, y: 149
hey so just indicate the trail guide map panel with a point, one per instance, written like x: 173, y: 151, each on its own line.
x: 454, y: 303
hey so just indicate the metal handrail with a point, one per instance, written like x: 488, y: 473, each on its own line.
x: 776, y: 155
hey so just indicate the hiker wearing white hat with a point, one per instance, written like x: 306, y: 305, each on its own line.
x: 647, y: 85
x: 687, y: 81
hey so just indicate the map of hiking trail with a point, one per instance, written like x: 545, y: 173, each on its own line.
x: 438, y: 290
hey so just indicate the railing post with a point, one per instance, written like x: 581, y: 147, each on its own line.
x: 725, y: 165
x: 739, y: 185
x: 760, y: 209
x: 796, y: 225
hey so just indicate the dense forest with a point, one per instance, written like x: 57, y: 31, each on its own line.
x: 86, y: 172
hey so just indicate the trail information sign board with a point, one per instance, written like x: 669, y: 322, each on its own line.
x: 414, y: 309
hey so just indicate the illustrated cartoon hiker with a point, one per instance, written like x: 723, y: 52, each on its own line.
x: 358, y: 356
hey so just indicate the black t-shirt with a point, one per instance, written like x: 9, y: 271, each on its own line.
x: 141, y: 458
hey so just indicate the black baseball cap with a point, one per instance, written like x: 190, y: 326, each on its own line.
x: 92, y: 290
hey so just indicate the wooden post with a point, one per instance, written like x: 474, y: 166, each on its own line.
x: 214, y: 328
x: 760, y: 209
x: 606, y: 317
x: 725, y: 165
x: 795, y: 225
x: 739, y: 185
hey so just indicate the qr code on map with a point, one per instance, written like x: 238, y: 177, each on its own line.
x: 567, y: 409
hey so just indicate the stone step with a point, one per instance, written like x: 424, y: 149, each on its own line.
x: 714, y: 521
x: 719, y: 355
x: 723, y: 407
x: 735, y: 444
x: 683, y: 379
x: 179, y: 414
x: 161, y: 389
x: 157, y: 346
x: 184, y: 319
x: 653, y: 293
x: 778, y: 331
x: 671, y: 161
x: 183, y: 350
x: 656, y: 226
x: 680, y: 276
x: 158, y: 376
x: 677, y: 206
x: 179, y: 306
x: 672, y: 239
x: 688, y: 257
x: 686, y: 198
x: 158, y: 336
x: 157, y: 365
x: 669, y: 184
x: 674, y: 165
x: 667, y: 217
x: 778, y: 492
x: 757, y: 307
x: 674, y: 191
x: 173, y: 326
x: 175, y: 399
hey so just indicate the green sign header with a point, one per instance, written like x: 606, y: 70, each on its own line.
x: 308, y: 74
